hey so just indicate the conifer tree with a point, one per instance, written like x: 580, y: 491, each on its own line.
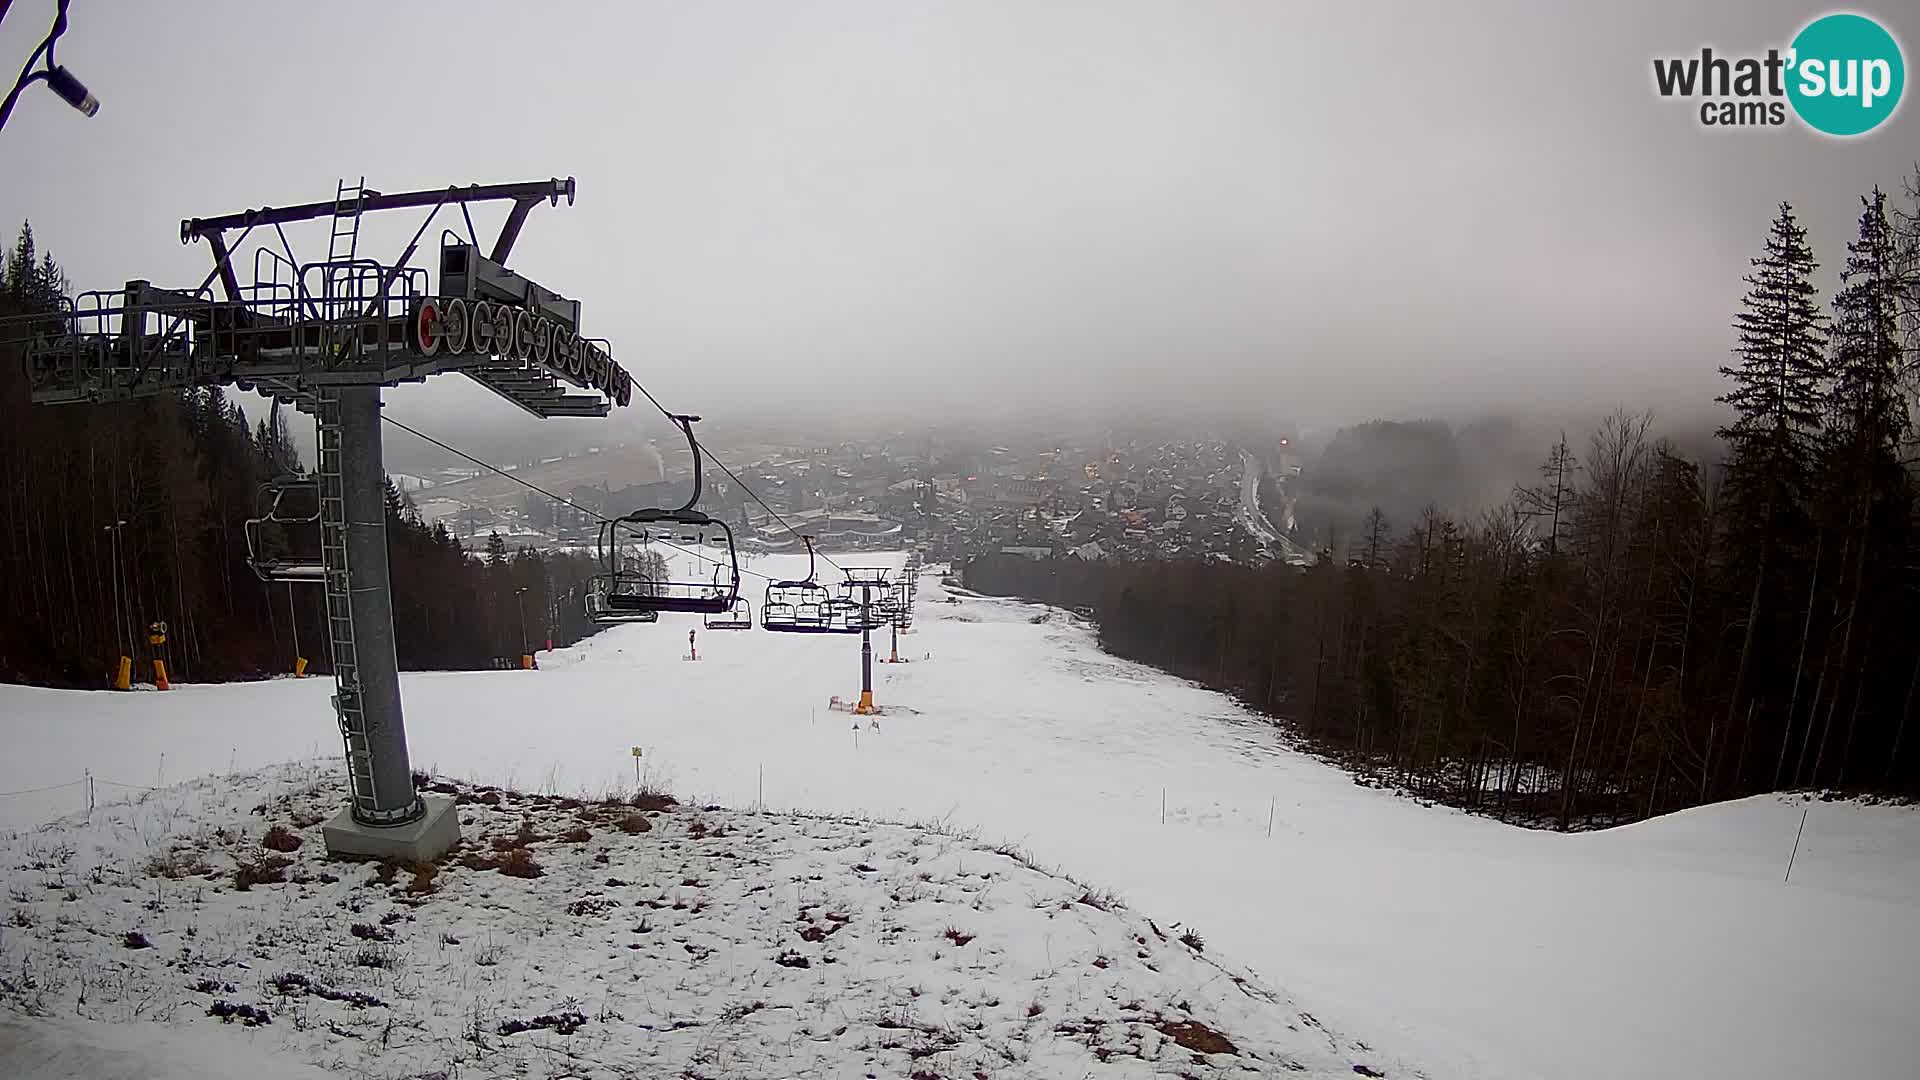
x: 1869, y: 413
x: 1777, y: 382
x: 1550, y: 500
x: 1772, y: 440
x: 1864, y: 503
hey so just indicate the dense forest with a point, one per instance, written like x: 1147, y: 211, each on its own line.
x: 116, y: 516
x: 1637, y: 631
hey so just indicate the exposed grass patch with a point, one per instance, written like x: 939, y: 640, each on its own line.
x: 1104, y: 901
x: 652, y: 800
x: 565, y: 1023
x: 1196, y: 1036
x: 519, y: 863
x: 294, y: 984
x: 740, y: 1010
x: 250, y: 1015
x: 423, y: 875
x: 521, y: 837
x: 591, y: 905
x: 513, y: 862
x: 281, y: 838
x: 177, y: 863
x: 380, y: 957
x: 266, y: 870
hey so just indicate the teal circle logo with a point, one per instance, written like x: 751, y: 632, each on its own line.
x: 1847, y: 74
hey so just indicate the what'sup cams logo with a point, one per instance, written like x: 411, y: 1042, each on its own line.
x: 1843, y: 76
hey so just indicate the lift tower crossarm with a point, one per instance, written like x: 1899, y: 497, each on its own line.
x: 525, y: 196
x: 551, y: 191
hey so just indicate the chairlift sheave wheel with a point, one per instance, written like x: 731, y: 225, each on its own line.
x: 525, y: 330
x: 455, y: 325
x: 428, y: 335
x: 483, y: 327
x: 542, y: 341
x: 503, y: 332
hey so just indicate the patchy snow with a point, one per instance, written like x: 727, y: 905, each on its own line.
x: 591, y: 939
x: 68, y: 1048
x: 1670, y: 948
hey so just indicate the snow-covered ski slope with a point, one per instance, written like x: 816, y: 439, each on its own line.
x: 600, y: 941
x: 1670, y: 948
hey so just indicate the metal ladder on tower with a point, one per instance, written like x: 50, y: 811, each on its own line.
x: 347, y: 700
x: 345, y: 242
x: 343, y: 246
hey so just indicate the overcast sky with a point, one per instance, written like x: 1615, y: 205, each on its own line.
x: 1314, y: 211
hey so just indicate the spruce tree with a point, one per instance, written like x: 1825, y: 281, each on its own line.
x: 1551, y: 500
x: 35, y: 284
x: 1905, y: 221
x: 19, y: 274
x: 1773, y: 438
x: 1869, y: 412
x: 1865, y: 502
x: 1777, y: 382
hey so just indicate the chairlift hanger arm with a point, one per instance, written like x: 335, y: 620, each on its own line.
x: 686, y: 426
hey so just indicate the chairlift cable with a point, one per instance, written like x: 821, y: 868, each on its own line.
x: 671, y: 417
x: 735, y: 477
x: 530, y: 485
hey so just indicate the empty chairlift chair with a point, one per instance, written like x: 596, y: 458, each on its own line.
x: 842, y: 612
x: 605, y: 585
x: 900, y: 605
x: 289, y: 516
x: 677, y: 592
x: 799, y: 606
x: 739, y: 617
x: 777, y: 609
